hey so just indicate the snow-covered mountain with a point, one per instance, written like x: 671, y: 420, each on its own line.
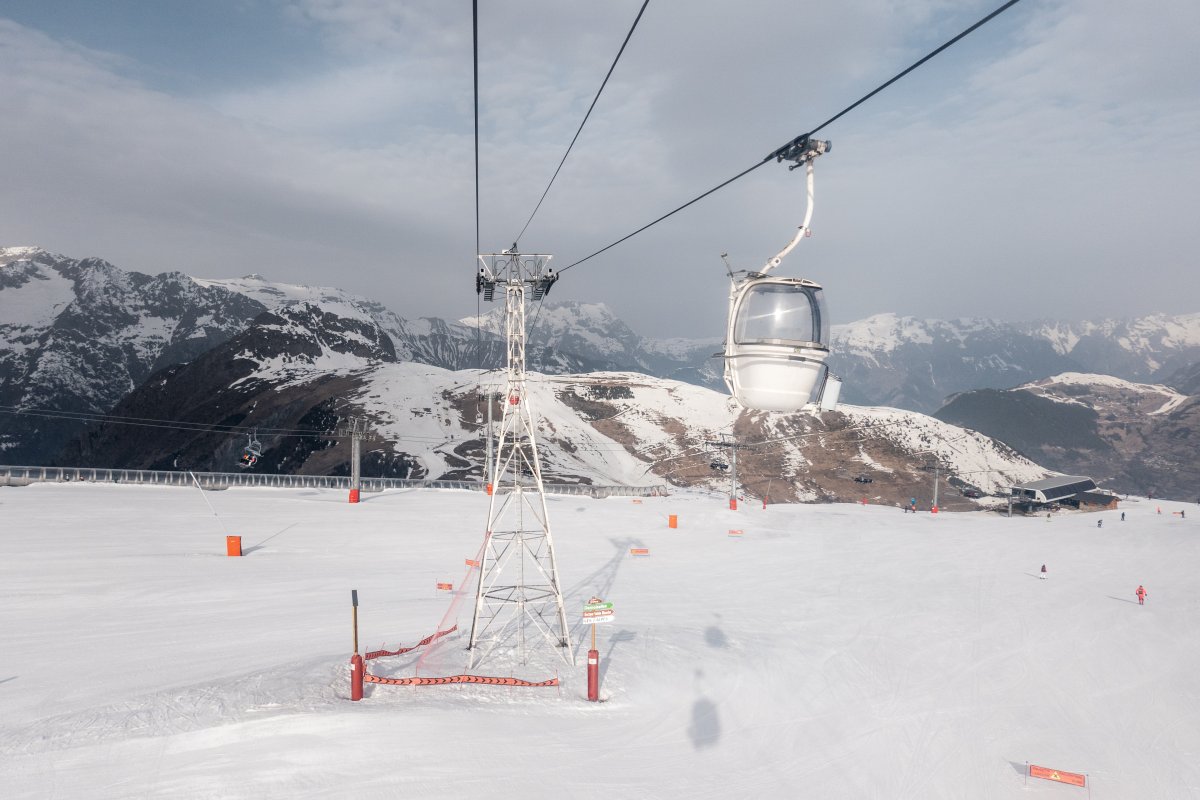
x: 76, y: 336
x: 296, y: 374
x: 1132, y: 437
x: 916, y: 364
x: 595, y: 335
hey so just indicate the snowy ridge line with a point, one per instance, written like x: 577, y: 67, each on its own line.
x: 368, y: 678
x: 430, y: 638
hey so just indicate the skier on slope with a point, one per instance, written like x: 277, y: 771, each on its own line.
x: 1141, y: 595
x: 1043, y: 573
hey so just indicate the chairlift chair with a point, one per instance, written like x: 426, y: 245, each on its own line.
x: 251, y: 452
x: 777, y: 339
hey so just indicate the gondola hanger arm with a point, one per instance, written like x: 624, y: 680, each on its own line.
x: 803, y: 151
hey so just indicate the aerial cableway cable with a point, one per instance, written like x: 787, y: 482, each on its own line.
x: 780, y: 152
x: 475, y: 69
x: 584, y: 122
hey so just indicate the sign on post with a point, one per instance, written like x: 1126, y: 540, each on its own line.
x: 597, y: 611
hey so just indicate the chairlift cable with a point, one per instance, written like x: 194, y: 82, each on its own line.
x: 777, y: 154
x: 178, y: 425
x: 584, y: 122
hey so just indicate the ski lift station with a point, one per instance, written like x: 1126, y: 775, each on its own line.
x: 1070, y: 489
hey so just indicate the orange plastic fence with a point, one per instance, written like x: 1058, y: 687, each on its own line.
x: 456, y: 679
x: 433, y: 637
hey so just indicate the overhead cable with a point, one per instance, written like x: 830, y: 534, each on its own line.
x: 168, y: 424
x: 777, y: 153
x: 584, y: 122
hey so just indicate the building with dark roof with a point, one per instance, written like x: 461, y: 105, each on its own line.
x: 1073, y: 490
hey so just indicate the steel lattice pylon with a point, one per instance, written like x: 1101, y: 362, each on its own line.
x: 518, y: 591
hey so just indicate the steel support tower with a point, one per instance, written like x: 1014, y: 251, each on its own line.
x: 518, y: 597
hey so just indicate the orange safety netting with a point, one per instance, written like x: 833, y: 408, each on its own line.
x: 368, y: 678
x: 433, y: 637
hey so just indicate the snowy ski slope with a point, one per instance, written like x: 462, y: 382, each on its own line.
x: 830, y: 651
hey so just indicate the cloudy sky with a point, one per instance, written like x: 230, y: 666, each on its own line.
x: 1046, y: 166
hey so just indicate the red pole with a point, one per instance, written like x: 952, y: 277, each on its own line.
x: 593, y: 675
x: 593, y: 669
x: 356, y: 677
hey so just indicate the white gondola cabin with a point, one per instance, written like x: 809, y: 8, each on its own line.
x: 776, y: 343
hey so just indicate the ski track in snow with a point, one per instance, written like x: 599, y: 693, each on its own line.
x: 830, y: 651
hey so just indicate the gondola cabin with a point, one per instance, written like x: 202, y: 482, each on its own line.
x: 777, y: 342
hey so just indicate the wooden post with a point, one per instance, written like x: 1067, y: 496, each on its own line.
x: 354, y: 615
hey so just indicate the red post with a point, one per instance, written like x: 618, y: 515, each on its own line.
x: 765, y: 498
x: 233, y: 545
x: 354, y: 495
x: 593, y: 675
x: 356, y: 677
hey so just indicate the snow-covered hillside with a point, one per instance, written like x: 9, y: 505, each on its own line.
x: 829, y: 651
x: 632, y: 429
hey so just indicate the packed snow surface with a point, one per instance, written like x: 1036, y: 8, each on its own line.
x: 830, y: 651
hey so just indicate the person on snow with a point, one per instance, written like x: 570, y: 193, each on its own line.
x: 1043, y: 573
x: 1099, y: 523
x: 1141, y: 595
x: 1122, y: 516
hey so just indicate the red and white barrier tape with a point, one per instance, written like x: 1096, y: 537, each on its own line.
x: 427, y: 640
x: 368, y: 678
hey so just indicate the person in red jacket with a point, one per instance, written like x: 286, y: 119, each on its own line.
x: 1141, y: 595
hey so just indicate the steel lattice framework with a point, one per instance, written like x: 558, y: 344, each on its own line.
x: 518, y: 598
